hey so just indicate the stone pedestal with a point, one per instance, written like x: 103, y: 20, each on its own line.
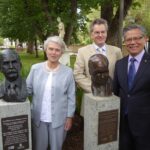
x: 15, y: 126
x: 101, y: 122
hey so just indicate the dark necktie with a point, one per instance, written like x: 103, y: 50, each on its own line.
x: 131, y: 73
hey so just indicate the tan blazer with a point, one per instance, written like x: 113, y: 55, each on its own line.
x: 81, y: 70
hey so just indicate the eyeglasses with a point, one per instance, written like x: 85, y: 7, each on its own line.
x: 135, y: 39
x: 98, y: 33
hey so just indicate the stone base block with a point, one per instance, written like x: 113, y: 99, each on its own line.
x: 15, y: 126
x: 101, y: 122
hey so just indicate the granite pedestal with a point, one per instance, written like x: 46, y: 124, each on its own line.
x: 15, y: 126
x: 101, y: 122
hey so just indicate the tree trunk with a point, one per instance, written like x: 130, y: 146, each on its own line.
x: 70, y: 25
x: 68, y: 33
x: 107, y: 11
x: 30, y: 47
x: 113, y: 33
x: 36, y: 49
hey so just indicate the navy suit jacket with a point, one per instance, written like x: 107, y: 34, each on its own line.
x: 137, y: 100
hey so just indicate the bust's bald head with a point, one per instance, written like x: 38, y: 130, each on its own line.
x: 10, y: 64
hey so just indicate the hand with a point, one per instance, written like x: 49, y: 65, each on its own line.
x: 68, y: 124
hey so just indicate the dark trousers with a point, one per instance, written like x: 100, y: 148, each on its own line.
x: 129, y: 141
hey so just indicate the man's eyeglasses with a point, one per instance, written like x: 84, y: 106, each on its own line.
x: 135, y: 39
x: 98, y: 33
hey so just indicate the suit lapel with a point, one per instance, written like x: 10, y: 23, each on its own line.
x: 142, y: 67
x: 108, y: 51
x: 124, y: 70
x: 92, y: 50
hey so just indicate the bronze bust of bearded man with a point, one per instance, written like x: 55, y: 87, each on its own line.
x: 101, y: 81
x: 13, y: 87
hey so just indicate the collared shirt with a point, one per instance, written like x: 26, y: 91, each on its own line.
x: 138, y: 60
x: 101, y: 50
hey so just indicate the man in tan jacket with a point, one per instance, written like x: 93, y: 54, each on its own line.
x: 98, y: 33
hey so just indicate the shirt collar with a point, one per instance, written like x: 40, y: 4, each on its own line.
x: 103, y: 47
x: 137, y: 57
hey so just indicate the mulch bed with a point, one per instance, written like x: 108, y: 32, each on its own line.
x: 74, y: 139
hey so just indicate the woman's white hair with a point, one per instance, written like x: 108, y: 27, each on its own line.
x: 55, y: 39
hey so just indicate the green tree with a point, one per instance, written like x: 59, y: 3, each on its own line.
x: 1, y: 41
x: 15, y: 23
x: 30, y: 20
x: 111, y: 13
x: 140, y: 14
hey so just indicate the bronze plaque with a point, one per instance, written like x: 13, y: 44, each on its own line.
x: 15, y: 133
x: 107, y: 126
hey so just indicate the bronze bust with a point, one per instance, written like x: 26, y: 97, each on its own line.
x: 13, y: 87
x: 101, y: 81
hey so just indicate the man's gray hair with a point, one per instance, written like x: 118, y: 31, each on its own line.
x: 55, y: 39
x: 98, y: 21
x: 134, y: 26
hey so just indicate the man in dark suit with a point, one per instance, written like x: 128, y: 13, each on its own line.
x: 132, y: 83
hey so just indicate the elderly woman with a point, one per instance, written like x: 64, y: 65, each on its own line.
x: 53, y: 103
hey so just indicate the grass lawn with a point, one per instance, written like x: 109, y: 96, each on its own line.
x: 28, y: 60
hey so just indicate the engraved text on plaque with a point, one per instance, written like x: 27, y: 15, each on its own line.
x: 107, y: 126
x: 15, y: 132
